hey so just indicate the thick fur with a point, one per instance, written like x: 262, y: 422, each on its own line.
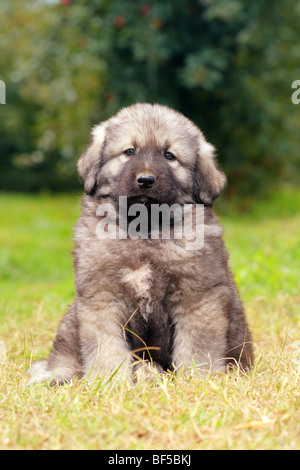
x: 149, y: 298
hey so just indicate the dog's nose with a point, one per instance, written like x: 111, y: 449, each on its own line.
x: 145, y: 181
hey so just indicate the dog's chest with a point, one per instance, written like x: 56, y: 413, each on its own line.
x: 150, y: 277
x: 141, y: 288
x: 148, y: 323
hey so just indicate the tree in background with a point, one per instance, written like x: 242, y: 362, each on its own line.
x: 226, y: 64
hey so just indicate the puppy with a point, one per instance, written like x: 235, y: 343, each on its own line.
x: 148, y: 299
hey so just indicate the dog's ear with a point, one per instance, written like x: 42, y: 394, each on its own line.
x: 89, y: 161
x: 209, y: 180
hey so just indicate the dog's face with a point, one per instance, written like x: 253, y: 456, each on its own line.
x: 151, y: 153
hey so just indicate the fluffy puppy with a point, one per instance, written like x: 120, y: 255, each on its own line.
x: 149, y: 297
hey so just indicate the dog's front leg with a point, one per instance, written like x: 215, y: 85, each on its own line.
x: 104, y: 350
x: 200, y: 337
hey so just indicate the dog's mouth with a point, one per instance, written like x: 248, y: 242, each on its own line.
x: 143, y: 199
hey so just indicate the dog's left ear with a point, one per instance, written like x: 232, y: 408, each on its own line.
x: 89, y: 161
x: 209, y: 180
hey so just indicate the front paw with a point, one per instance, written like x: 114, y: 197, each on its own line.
x: 147, y: 371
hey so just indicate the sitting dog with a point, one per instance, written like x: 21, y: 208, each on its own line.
x: 165, y: 301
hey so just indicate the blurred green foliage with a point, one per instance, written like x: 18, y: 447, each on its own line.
x: 226, y: 64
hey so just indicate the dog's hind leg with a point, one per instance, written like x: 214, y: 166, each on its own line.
x: 64, y: 362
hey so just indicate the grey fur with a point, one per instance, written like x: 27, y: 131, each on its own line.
x: 135, y: 295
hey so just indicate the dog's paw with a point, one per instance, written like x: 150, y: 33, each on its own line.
x: 39, y: 372
x: 146, y: 371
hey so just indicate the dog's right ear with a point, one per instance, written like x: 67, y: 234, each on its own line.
x: 88, y: 163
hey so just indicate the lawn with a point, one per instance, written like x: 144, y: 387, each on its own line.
x: 259, y: 411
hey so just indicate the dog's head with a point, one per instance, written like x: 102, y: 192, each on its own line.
x: 151, y: 153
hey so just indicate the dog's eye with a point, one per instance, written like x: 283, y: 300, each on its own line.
x: 169, y: 156
x: 129, y: 152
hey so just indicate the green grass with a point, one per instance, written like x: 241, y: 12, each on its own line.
x: 260, y: 411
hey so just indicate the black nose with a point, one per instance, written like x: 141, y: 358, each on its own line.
x: 145, y: 181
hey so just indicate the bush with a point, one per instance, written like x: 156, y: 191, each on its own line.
x: 228, y: 65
